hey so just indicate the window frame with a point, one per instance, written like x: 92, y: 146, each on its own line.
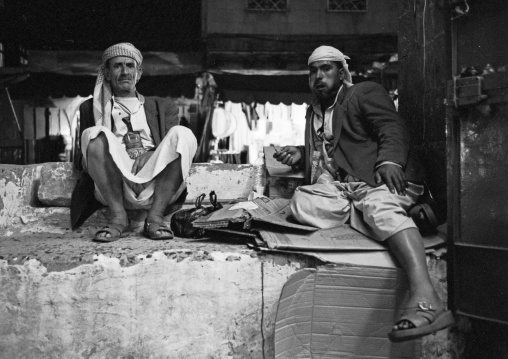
x: 343, y: 11
x: 265, y: 10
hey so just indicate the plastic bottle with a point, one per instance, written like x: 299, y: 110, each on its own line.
x: 260, y: 174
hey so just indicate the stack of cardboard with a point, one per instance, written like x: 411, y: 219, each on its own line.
x: 343, y: 310
x: 271, y: 222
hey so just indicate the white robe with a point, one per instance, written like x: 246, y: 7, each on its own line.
x: 179, y: 141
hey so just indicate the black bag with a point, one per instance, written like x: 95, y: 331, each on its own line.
x: 423, y: 214
x: 181, y: 221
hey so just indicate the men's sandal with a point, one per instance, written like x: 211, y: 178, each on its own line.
x: 437, y: 320
x: 116, y: 231
x: 150, y: 231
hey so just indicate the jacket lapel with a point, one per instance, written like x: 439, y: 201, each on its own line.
x: 308, y: 148
x: 339, y: 113
x: 152, y: 118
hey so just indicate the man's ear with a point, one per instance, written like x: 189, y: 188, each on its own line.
x: 342, y: 74
x: 107, y: 75
x: 140, y: 72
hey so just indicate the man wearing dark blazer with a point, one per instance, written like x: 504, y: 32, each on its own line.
x: 359, y: 168
x: 134, y: 153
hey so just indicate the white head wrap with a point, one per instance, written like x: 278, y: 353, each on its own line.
x: 328, y: 53
x: 102, y: 93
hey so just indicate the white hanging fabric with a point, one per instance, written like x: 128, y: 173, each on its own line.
x: 241, y: 138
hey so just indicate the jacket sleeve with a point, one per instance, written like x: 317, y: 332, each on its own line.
x: 384, y: 123
x: 171, y: 118
x: 86, y: 120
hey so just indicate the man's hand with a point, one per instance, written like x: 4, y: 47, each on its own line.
x: 140, y: 162
x: 393, y: 177
x: 289, y: 155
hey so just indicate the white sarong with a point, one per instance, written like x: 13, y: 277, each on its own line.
x: 373, y: 211
x: 179, y: 141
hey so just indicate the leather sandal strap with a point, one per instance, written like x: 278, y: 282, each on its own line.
x: 422, y: 310
x: 152, y: 227
x: 108, y: 228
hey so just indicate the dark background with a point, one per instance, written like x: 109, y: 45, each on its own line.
x: 152, y: 25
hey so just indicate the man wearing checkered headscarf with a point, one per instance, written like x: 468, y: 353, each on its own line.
x: 102, y: 93
x: 134, y: 153
x: 365, y: 177
x: 328, y: 53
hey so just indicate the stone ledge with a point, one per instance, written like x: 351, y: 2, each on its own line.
x: 57, y: 180
x: 221, y: 305
x: 25, y: 188
x: 81, y: 311
x: 51, y: 184
x: 139, y: 298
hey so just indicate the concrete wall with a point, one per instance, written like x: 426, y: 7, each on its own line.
x: 304, y: 17
x: 220, y: 305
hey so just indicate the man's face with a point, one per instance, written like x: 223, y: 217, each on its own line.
x: 325, y: 79
x: 123, y: 73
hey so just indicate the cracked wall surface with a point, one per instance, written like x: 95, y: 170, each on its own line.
x: 168, y: 305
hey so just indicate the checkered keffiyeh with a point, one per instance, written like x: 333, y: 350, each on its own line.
x: 102, y: 93
x: 329, y: 53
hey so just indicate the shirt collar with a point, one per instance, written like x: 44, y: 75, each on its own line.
x: 140, y: 97
x: 317, y: 107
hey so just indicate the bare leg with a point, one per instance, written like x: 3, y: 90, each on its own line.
x: 167, y: 184
x: 407, y: 246
x: 107, y: 178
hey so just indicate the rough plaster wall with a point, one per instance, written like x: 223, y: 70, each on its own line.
x: 221, y: 306
x: 18, y: 186
x: 228, y: 181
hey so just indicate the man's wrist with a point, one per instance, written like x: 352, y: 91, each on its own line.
x: 301, y: 162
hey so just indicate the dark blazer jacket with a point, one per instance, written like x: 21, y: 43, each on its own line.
x: 161, y: 115
x: 367, y: 131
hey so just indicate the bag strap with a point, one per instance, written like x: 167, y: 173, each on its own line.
x: 200, y: 199
x: 213, y: 199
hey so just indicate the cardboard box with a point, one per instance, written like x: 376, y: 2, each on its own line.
x: 341, y: 312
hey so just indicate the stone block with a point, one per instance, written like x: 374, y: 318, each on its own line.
x: 57, y: 182
x: 17, y: 190
x: 229, y: 181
